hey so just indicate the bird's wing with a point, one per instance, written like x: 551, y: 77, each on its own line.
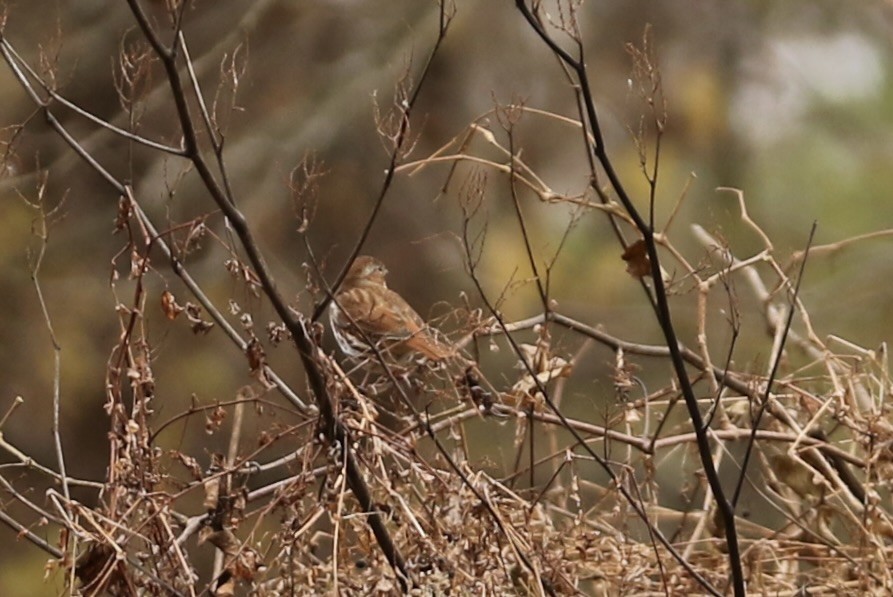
x: 381, y: 314
x: 411, y: 327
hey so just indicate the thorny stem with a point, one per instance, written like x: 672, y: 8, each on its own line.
x: 332, y: 428
x: 761, y: 410
x: 16, y: 64
x: 404, y: 107
x: 579, y: 439
x: 726, y: 508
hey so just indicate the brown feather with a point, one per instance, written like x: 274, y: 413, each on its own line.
x: 368, y: 308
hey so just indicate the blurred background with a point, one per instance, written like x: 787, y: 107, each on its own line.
x: 790, y: 102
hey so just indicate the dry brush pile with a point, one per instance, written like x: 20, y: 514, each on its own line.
x: 377, y: 478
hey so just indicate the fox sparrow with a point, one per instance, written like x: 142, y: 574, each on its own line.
x: 365, y: 311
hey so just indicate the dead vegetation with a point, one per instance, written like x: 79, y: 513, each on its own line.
x: 376, y: 479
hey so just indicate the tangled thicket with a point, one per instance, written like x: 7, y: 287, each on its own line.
x: 376, y: 479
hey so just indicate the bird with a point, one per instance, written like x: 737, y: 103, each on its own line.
x: 366, y: 312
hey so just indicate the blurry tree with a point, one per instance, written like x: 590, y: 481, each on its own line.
x: 164, y: 404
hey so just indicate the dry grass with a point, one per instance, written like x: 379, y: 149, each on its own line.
x: 380, y: 479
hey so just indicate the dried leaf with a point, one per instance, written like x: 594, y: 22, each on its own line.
x: 199, y: 325
x: 169, y: 305
x: 637, y: 263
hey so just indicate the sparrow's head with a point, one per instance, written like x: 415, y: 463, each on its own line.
x: 366, y: 270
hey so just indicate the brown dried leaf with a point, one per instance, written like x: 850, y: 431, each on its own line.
x: 123, y: 214
x: 190, y: 463
x: 256, y: 355
x: 637, y: 263
x: 199, y: 325
x: 214, y: 420
x: 169, y: 305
